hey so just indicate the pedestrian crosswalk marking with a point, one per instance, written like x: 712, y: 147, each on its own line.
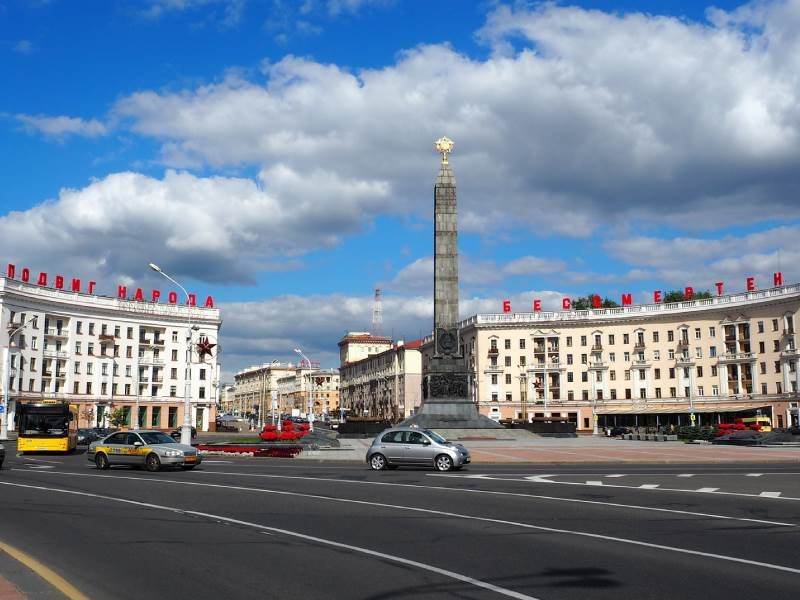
x: 649, y: 486
x: 706, y: 489
x: 594, y: 483
x: 770, y: 494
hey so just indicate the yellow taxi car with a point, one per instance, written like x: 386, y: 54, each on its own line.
x: 149, y: 449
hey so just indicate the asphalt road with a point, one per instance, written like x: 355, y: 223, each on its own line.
x: 267, y: 528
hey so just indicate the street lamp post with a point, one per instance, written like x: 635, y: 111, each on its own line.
x: 6, y: 368
x: 186, y: 430
x: 310, y: 391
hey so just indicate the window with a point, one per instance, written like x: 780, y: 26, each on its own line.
x: 762, y: 368
x: 103, y: 388
x: 508, y: 379
x: 129, y: 352
x: 507, y: 344
x: 761, y: 347
x: 569, y: 377
x: 611, y: 339
x: 508, y: 361
x: 585, y: 396
x: 583, y: 340
x: 522, y: 344
x: 583, y: 359
x: 508, y: 397
x: 699, y: 371
x: 642, y: 374
x: 173, y: 373
x: 673, y: 393
x: 91, y: 328
x: 202, y: 392
x: 90, y: 348
x: 77, y: 347
x: 626, y: 339
x: 494, y: 396
x: 671, y: 373
x: 30, y: 385
x: 33, y: 364
x: 569, y: 341
x: 715, y: 390
x: 612, y: 357
x: 700, y: 390
x: 657, y: 373
x: 655, y: 336
x: 102, y: 349
x: 612, y: 375
x: 628, y: 394
x: 656, y: 354
x: 613, y: 394
x: 493, y: 361
x: 569, y: 359
x: 89, y: 367
x: 761, y: 327
x: 78, y: 327
x: 697, y: 333
x: 698, y: 352
x: 521, y: 361
x: 713, y: 370
x: 598, y: 376
x: 34, y: 341
x: 671, y: 354
x: 104, y: 369
x: 570, y: 396
x: 494, y: 379
x: 626, y: 356
x: 712, y: 332
x: 129, y: 333
x: 627, y: 374
x: 88, y: 387
x: 712, y: 351
x: 77, y: 368
x: 116, y: 331
x: 777, y: 366
x: 670, y: 336
x: 104, y: 329
x: 658, y: 392
x: 642, y: 393
x: 127, y: 370
x: 774, y: 324
x: 776, y: 345
x: 584, y: 377
x: 175, y: 354
x: 173, y: 391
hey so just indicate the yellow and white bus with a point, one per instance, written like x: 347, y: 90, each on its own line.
x: 47, y: 427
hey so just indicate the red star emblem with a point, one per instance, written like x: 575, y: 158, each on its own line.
x: 204, y: 347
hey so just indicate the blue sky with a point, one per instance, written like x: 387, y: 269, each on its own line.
x: 279, y: 155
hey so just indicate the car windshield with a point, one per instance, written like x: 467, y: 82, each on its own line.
x: 436, y: 437
x: 44, y: 424
x: 156, y: 437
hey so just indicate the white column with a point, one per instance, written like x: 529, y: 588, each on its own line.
x: 722, y: 370
x: 786, y: 376
x: 754, y: 374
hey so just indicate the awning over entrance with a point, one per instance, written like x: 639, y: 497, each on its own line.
x: 671, y: 410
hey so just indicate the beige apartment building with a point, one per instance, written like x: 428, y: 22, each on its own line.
x: 384, y: 381
x: 255, y: 386
x: 697, y: 361
x: 317, y: 388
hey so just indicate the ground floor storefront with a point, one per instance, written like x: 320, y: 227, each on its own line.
x: 161, y: 414
x: 782, y: 412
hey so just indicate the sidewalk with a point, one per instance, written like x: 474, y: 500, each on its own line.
x: 581, y: 450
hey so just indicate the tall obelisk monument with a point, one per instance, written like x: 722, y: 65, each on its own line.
x: 446, y: 400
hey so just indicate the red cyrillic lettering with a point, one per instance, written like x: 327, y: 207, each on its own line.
x: 192, y: 300
x: 566, y: 304
x: 26, y: 275
x: 777, y: 278
x: 91, y: 286
x: 751, y: 284
x: 10, y: 271
x: 537, y: 305
x: 155, y: 295
x: 122, y: 291
x: 506, y: 306
x: 720, y: 286
x: 172, y: 298
x: 657, y: 296
x: 139, y: 295
x: 688, y: 292
x: 209, y: 302
x: 76, y: 285
x: 59, y: 282
x: 627, y: 299
x: 42, y: 279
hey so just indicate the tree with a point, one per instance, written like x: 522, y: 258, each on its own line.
x: 680, y: 296
x: 586, y: 303
x: 118, y: 417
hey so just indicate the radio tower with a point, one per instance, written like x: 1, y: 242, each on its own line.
x: 377, y: 313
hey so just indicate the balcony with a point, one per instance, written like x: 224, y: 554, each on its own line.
x: 597, y: 348
x: 158, y: 341
x: 639, y: 346
x: 492, y: 351
x: 789, y: 353
x: 149, y: 360
x: 733, y: 357
x: 538, y: 349
x: 683, y: 342
x: 553, y: 350
x: 55, y: 353
x: 55, y: 332
x: 640, y: 363
x: 553, y: 365
x: 158, y: 379
x: 684, y: 360
x: 595, y: 365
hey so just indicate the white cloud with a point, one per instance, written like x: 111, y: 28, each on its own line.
x: 229, y: 15
x: 24, y: 47
x: 62, y: 127
x: 532, y: 265
x: 595, y: 118
x: 216, y: 229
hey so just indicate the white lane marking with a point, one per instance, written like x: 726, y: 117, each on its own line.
x: 40, y: 466
x: 618, y: 475
x: 686, y: 475
x: 462, y: 490
x: 594, y: 483
x: 770, y: 494
x: 754, y: 475
x: 265, y: 528
x: 216, y: 462
x: 706, y: 490
x: 394, y: 507
x: 52, y: 462
x: 646, y: 486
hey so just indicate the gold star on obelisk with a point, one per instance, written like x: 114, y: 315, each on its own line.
x: 444, y: 146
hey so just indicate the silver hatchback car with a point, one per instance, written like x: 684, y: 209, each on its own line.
x: 415, y: 447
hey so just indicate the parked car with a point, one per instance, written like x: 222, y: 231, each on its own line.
x: 615, y: 431
x: 87, y: 436
x: 176, y: 434
x: 415, y: 447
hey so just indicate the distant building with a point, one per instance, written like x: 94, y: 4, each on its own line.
x: 383, y: 379
x: 653, y: 365
x: 254, y: 387
x: 306, y: 387
x: 227, y: 398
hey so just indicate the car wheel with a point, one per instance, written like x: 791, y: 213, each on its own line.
x: 152, y: 463
x: 101, y: 461
x: 377, y: 462
x: 443, y: 463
